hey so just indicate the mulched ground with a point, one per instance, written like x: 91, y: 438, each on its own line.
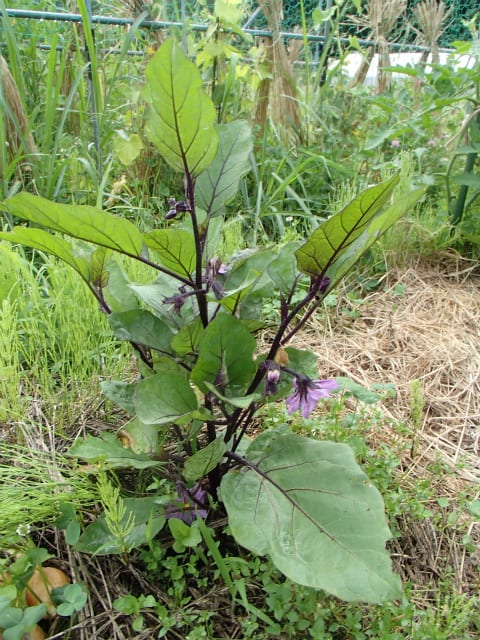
x: 420, y: 330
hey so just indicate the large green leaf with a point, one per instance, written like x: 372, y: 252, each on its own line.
x: 141, y: 326
x: 308, y: 505
x: 176, y: 249
x: 181, y: 122
x: 337, y: 233
x: 163, y: 398
x: 374, y: 230
x: 225, y: 357
x: 78, y: 221
x: 219, y: 183
x: 45, y: 241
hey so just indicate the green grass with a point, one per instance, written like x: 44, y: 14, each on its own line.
x: 57, y: 346
x: 35, y: 483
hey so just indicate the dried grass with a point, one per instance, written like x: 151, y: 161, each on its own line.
x: 380, y: 18
x: 17, y: 129
x: 430, y: 16
x: 430, y: 333
x: 279, y: 91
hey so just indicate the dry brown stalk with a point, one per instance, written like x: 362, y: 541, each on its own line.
x: 380, y: 18
x: 17, y: 130
x: 283, y: 102
x: 430, y: 16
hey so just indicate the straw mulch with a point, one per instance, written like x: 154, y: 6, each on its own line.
x: 428, y: 332
x: 421, y: 332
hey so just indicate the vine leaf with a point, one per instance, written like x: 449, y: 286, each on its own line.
x: 145, y: 517
x: 377, y: 227
x: 203, y: 461
x: 219, y: 183
x: 181, y: 123
x: 109, y: 452
x: 78, y: 221
x: 141, y: 326
x: 309, y: 506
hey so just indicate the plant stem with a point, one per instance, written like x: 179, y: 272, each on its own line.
x: 201, y: 297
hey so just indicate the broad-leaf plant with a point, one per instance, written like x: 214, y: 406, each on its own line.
x: 204, y: 373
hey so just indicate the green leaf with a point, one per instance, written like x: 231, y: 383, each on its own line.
x: 184, y: 535
x: 154, y: 295
x: 181, y: 122
x: 176, y: 249
x: 78, y: 221
x: 141, y: 326
x: 164, y: 398
x: 45, y: 241
x: 70, y: 598
x: 148, y: 519
x: 283, y: 270
x: 118, y: 293
x: 229, y: 10
x: 186, y: 340
x: 320, y: 16
x: 308, y: 505
x: 337, y: 233
x: 202, y: 462
x: 127, y: 148
x: 141, y: 438
x: 231, y: 298
x: 357, y: 391
x: 219, y: 183
x: 109, y: 451
x: 377, y: 227
x: 241, y: 402
x: 68, y: 521
x: 468, y: 179
x: 225, y: 356
x: 122, y: 393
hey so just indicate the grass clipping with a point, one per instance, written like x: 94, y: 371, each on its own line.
x: 423, y: 334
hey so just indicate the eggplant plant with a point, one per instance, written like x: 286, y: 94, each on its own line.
x: 204, y: 374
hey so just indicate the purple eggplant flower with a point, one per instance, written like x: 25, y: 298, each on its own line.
x: 307, y: 393
x: 190, y: 503
x: 176, y: 208
x: 272, y: 377
x: 176, y: 301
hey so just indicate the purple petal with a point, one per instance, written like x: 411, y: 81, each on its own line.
x: 293, y: 402
x: 307, y: 393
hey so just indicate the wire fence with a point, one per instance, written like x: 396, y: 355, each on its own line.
x: 145, y: 24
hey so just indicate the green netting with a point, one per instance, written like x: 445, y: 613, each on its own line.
x: 460, y: 10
